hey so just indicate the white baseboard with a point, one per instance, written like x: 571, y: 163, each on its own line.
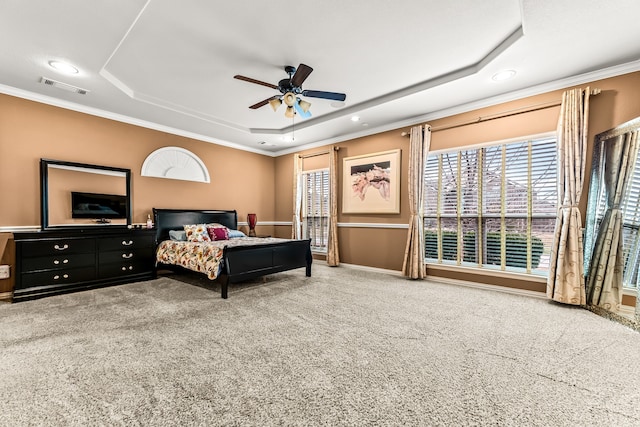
x: 456, y: 282
x: 484, y: 286
x: 372, y: 269
x: 627, y: 310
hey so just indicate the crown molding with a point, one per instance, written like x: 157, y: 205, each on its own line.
x: 67, y: 105
x: 588, y: 77
x: 605, y: 73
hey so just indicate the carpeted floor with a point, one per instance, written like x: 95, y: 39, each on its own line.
x: 345, y: 347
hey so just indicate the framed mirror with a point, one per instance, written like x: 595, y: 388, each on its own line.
x: 83, y: 195
x: 612, y: 228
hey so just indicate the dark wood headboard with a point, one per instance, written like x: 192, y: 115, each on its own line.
x: 174, y: 219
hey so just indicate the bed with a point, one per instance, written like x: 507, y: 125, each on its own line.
x: 238, y: 262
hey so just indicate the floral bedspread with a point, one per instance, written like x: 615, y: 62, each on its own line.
x: 203, y: 257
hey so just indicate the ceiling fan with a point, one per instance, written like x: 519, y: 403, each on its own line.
x: 290, y: 89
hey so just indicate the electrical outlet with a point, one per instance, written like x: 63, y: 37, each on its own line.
x: 4, y: 272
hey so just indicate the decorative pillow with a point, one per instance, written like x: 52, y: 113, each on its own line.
x: 236, y: 233
x: 214, y: 224
x: 197, y: 233
x: 218, y: 233
x: 178, y: 235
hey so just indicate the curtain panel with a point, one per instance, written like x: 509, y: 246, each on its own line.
x: 296, y: 226
x: 333, y: 255
x: 605, y: 281
x: 565, y: 283
x: 414, y: 266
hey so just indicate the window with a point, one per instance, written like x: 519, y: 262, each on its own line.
x: 492, y: 207
x: 315, y: 209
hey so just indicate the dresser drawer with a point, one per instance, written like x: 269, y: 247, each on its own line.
x: 57, y: 262
x: 125, y: 268
x: 56, y: 247
x: 125, y: 255
x: 125, y: 242
x: 58, y: 277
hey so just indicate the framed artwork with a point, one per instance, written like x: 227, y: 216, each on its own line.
x: 371, y: 183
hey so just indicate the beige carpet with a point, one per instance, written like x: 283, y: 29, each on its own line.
x: 344, y: 347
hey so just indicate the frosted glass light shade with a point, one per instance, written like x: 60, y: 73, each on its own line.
x: 289, y: 113
x: 304, y: 105
x: 275, y: 103
x: 289, y: 99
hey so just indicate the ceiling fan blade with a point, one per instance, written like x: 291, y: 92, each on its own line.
x: 258, y: 82
x: 302, y: 72
x: 326, y: 95
x: 263, y: 102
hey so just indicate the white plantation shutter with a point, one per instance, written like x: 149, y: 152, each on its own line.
x: 316, y: 208
x: 492, y: 207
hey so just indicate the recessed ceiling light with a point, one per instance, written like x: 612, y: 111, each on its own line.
x: 63, y: 67
x: 355, y: 118
x: 503, y: 75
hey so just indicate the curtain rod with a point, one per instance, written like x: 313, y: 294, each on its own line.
x: 502, y: 115
x: 319, y: 153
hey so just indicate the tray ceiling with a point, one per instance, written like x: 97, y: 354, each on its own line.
x: 170, y: 66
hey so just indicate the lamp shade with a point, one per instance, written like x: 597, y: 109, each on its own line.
x: 289, y: 113
x: 304, y: 105
x: 304, y: 114
x: 289, y: 99
x: 275, y: 103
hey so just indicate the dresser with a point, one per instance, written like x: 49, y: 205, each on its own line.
x: 58, y: 261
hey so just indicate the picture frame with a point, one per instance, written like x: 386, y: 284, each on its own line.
x: 371, y: 183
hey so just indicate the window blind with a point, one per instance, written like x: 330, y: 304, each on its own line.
x: 492, y: 207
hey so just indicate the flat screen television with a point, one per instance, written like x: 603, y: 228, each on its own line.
x: 98, y: 206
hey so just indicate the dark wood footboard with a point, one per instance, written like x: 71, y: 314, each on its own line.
x: 249, y: 262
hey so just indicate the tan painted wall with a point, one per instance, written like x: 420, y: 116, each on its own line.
x: 254, y: 183
x: 384, y: 248
x: 29, y: 131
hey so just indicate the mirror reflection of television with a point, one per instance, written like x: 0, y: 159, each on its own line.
x: 98, y: 206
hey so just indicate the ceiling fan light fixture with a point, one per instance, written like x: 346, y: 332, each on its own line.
x: 291, y: 89
x: 275, y: 103
x: 304, y: 105
x: 305, y: 114
x: 289, y: 99
x: 289, y: 113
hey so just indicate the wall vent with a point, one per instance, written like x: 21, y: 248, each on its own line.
x: 64, y: 86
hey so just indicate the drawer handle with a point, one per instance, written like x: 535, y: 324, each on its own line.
x: 125, y: 268
x: 127, y: 256
x: 61, y: 248
x: 125, y: 243
x: 57, y: 276
x: 64, y: 261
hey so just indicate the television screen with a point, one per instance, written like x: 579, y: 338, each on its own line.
x: 98, y: 206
